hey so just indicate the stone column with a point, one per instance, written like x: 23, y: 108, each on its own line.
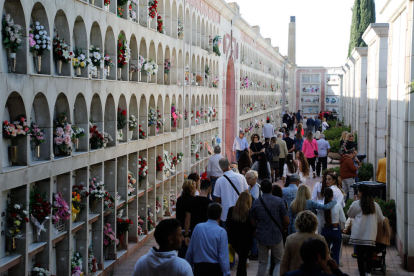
x: 351, y: 93
x: 376, y: 37
x: 341, y: 96
x: 360, y: 56
x: 346, y: 94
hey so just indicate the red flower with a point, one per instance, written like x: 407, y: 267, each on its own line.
x: 123, y: 112
x: 26, y: 219
x: 13, y: 215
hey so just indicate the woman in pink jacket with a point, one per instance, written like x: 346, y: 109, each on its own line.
x: 310, y: 149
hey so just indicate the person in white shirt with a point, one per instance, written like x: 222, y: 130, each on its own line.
x: 268, y: 130
x: 254, y: 187
x: 164, y: 261
x: 329, y: 180
x: 330, y: 224
x: 239, y: 145
x: 323, y: 150
x: 224, y: 192
x: 214, y: 171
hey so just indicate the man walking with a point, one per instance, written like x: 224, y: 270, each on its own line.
x: 283, y: 152
x: 268, y: 130
x: 240, y: 144
x: 208, y: 251
x: 310, y: 123
x: 323, y: 149
x: 269, y: 215
x: 348, y: 173
x: 298, y: 117
x: 317, y: 123
x: 289, y: 194
x: 228, y: 188
x: 213, y: 168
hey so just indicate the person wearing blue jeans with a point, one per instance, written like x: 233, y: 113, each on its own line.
x: 239, y: 145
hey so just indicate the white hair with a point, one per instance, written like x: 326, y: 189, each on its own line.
x: 253, y: 173
x: 279, y: 134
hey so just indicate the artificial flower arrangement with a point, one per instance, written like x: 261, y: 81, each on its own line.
x: 152, y: 117
x: 272, y: 87
x: 150, y: 67
x: 92, y: 262
x: 211, y: 112
x: 132, y: 122
x: 173, y: 199
x: 160, y: 163
x: 39, y: 209
x: 63, y: 134
x: 207, y: 71
x: 124, y: 52
x: 187, y: 75
x: 132, y: 69
x: 107, y: 3
x: 77, y: 204
x: 109, y: 202
x: 160, y: 121
x: 141, y: 61
x: 132, y: 13
x: 160, y: 24
x: 157, y: 205
x: 38, y: 270
x: 122, y: 226
x: 216, y: 140
x: 143, y: 168
x: 198, y: 114
x: 12, y: 34
x: 140, y: 225
x: 185, y: 114
x: 131, y: 182
x: 167, y: 66
x: 97, y: 60
x: 96, y: 137
x: 15, y: 215
x: 121, y: 122
x: 180, y: 28
x: 150, y: 223
x: 197, y: 157
x: 120, y: 10
x: 210, y: 41
x: 82, y: 192
x: 15, y: 130
x: 216, y: 45
x: 244, y: 82
x: 199, y: 79
x: 79, y: 60
x: 257, y: 125
x: 36, y: 135
x: 175, y: 115
x: 108, y: 62
x: 180, y: 157
x: 107, y: 138
x: 174, y: 161
x: 61, y: 50
x: 76, y: 264
x: 39, y: 41
x: 194, y: 147
x: 96, y: 189
x: 60, y: 209
x: 215, y: 82
x: 141, y: 133
x: 109, y: 236
x: 152, y: 10
x: 169, y: 167
x: 201, y: 146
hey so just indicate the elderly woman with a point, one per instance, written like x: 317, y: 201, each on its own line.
x: 183, y: 202
x: 254, y: 187
x: 306, y: 223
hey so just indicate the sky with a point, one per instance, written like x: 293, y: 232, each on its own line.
x: 322, y: 27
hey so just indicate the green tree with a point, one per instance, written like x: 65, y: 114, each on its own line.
x: 363, y: 14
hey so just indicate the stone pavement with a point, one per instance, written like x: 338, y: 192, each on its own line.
x: 393, y: 260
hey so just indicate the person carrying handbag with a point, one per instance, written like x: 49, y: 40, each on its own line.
x: 273, y: 152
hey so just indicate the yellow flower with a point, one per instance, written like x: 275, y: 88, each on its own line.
x: 82, y: 64
x: 74, y: 210
x: 17, y: 222
x: 17, y: 230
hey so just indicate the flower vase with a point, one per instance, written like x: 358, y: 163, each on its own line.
x: 149, y: 22
x: 149, y: 78
x: 120, y: 244
x: 131, y: 134
x: 104, y: 145
x: 12, y: 57
x: 38, y: 64
x: 78, y: 72
x: 93, y: 2
x: 13, y: 151
x: 36, y: 152
x: 97, y: 74
x: 108, y: 71
x: 106, y: 7
x: 130, y: 76
x: 139, y: 75
x: 93, y: 205
x: 77, y: 143
x: 10, y: 245
x: 59, y: 67
x: 77, y: 217
x: 165, y: 78
x: 119, y: 73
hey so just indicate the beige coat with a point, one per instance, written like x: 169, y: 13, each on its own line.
x: 282, y: 147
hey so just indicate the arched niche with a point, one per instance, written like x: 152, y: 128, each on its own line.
x: 193, y: 111
x: 203, y: 35
x: 96, y: 41
x: 187, y: 27
x: 61, y: 28
x: 160, y: 62
x: 143, y: 117
x: 210, y: 83
x: 174, y: 21
x: 198, y: 71
x: 62, y: 108
x: 167, y: 20
x: 167, y: 114
x: 202, y: 72
x: 15, y: 9
x: 187, y: 109
x: 152, y: 55
x: 160, y: 108
x: 40, y: 116
x: 152, y: 105
x: 80, y: 116
x: 198, y: 35
x: 80, y: 42
x: 193, y: 70
x: 143, y: 52
x: 173, y: 70
x: 95, y: 114
x: 123, y: 132
x: 198, y: 108
x: 13, y: 111
x: 110, y: 119
x: 180, y: 21
x: 167, y: 57
x: 133, y: 111
x: 179, y: 105
x: 111, y: 51
x: 160, y: 11
x: 133, y: 44
x: 124, y: 73
x: 193, y: 30
x: 39, y: 15
x: 175, y: 103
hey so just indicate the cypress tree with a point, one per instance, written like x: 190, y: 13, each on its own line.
x: 363, y: 14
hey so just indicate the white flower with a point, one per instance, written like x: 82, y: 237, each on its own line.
x: 96, y: 55
x: 41, y: 27
x: 37, y: 36
x: 37, y: 46
x: 44, y: 32
x: 37, y: 24
x: 48, y: 47
x: 37, y: 28
x: 41, y: 33
x: 17, y: 206
x: 44, y: 46
x: 43, y: 41
x: 65, y: 54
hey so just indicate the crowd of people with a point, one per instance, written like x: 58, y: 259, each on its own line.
x: 240, y: 209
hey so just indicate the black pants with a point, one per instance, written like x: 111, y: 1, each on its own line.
x: 243, y: 254
x: 321, y: 161
x: 364, y: 258
x: 281, y: 164
x: 207, y: 269
x: 183, y: 250
x: 311, y: 162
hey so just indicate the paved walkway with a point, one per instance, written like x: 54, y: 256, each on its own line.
x: 393, y: 260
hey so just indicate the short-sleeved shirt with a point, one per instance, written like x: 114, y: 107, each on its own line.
x: 267, y: 231
x: 289, y: 143
x: 256, y: 147
x: 225, y: 191
x: 323, y: 147
x: 183, y: 203
x: 198, y: 210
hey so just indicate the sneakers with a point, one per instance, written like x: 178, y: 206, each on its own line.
x: 354, y: 255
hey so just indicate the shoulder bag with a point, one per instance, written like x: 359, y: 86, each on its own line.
x: 234, y: 187
x: 270, y: 215
x: 315, y: 152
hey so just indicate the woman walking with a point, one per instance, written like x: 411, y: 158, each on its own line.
x: 262, y: 167
x: 367, y: 215
x: 303, y: 166
x: 330, y: 223
x: 244, y: 161
x: 273, y: 151
x: 310, y: 149
x: 183, y: 203
x: 289, y: 168
x: 255, y: 148
x: 240, y: 230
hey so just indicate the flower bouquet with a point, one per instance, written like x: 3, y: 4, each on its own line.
x: 81, y: 191
x: 39, y: 42
x: 109, y: 202
x: 60, y: 209
x: 173, y: 199
x: 180, y: 156
x: 12, y: 39
x: 175, y: 116
x: 98, y: 61
x: 150, y: 67
x: 194, y: 147
x: 106, y: 4
x: 96, y: 192
x: 37, y: 270
x: 78, y: 205
x: 215, y: 82
x: 132, y: 69
x: 132, y: 124
x: 124, y: 54
x: 80, y: 61
x: 15, y: 215
x: 199, y: 80
x: 132, y: 14
x: 152, y: 117
x: 109, y: 236
x: 180, y: 29
x: 140, y: 225
x: 63, y: 135
x: 76, y: 264
x: 207, y: 72
x: 120, y: 4
x: 150, y: 223
x: 160, y: 121
x: 143, y: 168
x: 157, y: 205
x: 36, y: 137
x: 14, y: 131
x: 92, y: 262
x: 61, y: 52
x: 107, y: 139
x: 121, y: 123
x: 216, y: 45
x: 152, y: 10
x: 169, y: 168
x: 131, y: 182
x: 160, y: 164
x: 197, y: 157
x: 123, y: 226
x: 96, y: 137
x: 141, y: 133
x: 39, y: 209
x: 160, y: 23
x: 185, y: 114
x: 167, y: 66
x: 108, y: 64
x: 174, y: 161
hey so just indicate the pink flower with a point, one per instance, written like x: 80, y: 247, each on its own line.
x: 58, y: 140
x: 67, y: 140
x: 68, y: 128
x: 31, y: 41
x: 105, y: 242
x: 59, y: 131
